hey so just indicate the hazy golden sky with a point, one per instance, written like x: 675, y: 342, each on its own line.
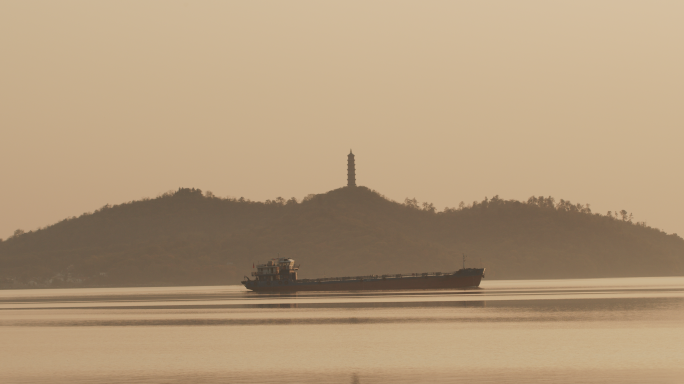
x: 445, y: 101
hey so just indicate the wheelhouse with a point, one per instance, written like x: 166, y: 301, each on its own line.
x: 278, y: 269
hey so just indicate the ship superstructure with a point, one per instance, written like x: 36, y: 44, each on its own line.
x: 276, y: 270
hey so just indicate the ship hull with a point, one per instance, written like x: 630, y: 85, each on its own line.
x: 464, y: 279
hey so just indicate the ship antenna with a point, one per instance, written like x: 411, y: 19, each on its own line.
x: 464, y: 257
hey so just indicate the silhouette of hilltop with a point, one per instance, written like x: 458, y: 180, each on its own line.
x: 186, y: 237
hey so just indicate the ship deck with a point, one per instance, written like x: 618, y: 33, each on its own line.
x: 470, y: 277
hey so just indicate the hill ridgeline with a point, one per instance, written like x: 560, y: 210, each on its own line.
x: 190, y: 238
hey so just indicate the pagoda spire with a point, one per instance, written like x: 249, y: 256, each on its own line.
x: 351, y: 170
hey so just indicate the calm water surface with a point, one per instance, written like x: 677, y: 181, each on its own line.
x: 544, y: 331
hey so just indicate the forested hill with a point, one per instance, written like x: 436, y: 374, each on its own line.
x: 190, y: 238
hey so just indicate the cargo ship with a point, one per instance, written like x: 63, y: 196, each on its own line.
x: 280, y: 275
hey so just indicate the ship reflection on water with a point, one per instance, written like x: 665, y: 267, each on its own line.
x: 370, y: 299
x: 286, y: 305
x: 564, y: 331
x: 461, y: 304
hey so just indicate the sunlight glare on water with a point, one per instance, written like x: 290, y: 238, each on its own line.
x: 555, y: 331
